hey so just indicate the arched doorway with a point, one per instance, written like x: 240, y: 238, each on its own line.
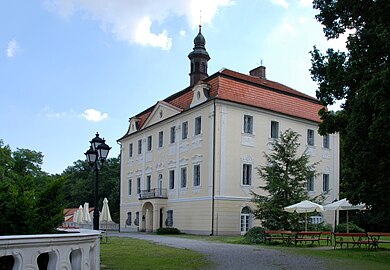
x: 246, y: 219
x: 147, y: 217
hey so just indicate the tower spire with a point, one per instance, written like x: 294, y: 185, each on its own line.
x: 199, y: 58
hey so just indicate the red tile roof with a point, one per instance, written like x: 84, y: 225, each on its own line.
x: 250, y: 90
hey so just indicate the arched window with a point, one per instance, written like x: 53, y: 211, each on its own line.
x: 203, y: 67
x: 245, y: 219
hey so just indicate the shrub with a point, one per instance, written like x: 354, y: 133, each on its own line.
x: 168, y: 230
x: 342, y: 227
x: 255, y: 235
x: 320, y: 227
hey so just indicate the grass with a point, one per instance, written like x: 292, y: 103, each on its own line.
x: 128, y: 253
x: 345, y: 258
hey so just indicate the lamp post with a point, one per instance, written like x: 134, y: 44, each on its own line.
x: 97, y: 153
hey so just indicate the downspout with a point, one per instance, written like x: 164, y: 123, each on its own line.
x: 213, y: 192
x: 120, y: 185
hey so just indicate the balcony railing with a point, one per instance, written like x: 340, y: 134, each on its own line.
x: 159, y: 193
x: 64, y: 251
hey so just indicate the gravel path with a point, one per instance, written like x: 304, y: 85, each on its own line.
x: 232, y: 256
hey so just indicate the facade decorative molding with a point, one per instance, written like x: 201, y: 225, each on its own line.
x: 197, y: 158
x: 159, y: 166
x: 248, y: 140
x: 247, y: 159
x: 200, y: 93
x: 197, y: 141
x: 183, y: 162
x: 148, y: 170
x: 171, y: 164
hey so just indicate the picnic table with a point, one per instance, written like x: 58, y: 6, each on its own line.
x: 375, y: 238
x: 284, y: 236
x: 356, y: 239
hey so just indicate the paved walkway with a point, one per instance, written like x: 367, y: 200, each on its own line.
x: 232, y: 256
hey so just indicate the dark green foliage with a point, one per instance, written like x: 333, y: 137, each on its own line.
x: 360, y: 77
x: 30, y: 200
x: 353, y: 228
x: 285, y: 175
x: 255, y: 235
x: 168, y: 230
x: 320, y: 227
x: 80, y: 179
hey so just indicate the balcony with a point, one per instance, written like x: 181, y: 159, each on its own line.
x: 154, y: 193
x: 77, y: 250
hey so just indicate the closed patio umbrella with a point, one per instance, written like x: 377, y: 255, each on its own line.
x: 344, y: 204
x: 304, y: 207
x: 105, y: 214
x: 86, y: 216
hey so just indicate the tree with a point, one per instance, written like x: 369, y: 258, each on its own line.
x: 30, y: 200
x: 285, y: 175
x: 79, y: 180
x: 361, y: 78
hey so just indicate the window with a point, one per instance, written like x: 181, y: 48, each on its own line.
x: 169, y: 220
x: 148, y: 182
x: 245, y: 219
x: 248, y: 124
x: 172, y: 138
x: 274, y: 129
x: 138, y: 185
x: 128, y: 220
x: 196, y: 175
x: 171, y: 179
x: 310, y: 183
x: 130, y: 185
x: 325, y: 141
x: 160, y: 139
x: 130, y: 150
x: 184, y: 130
x: 183, y: 177
x: 136, y: 220
x: 139, y: 147
x: 325, y: 182
x: 198, y: 125
x: 149, y: 143
x: 247, y: 174
x: 310, y: 137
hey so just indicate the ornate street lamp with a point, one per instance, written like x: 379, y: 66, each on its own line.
x: 96, y: 155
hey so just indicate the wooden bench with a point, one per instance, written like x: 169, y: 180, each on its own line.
x: 307, y: 236
x: 374, y: 238
x: 326, y: 236
x: 274, y: 235
x: 356, y: 239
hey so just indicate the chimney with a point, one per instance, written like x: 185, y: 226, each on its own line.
x: 258, y: 72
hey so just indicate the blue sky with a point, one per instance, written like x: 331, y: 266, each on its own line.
x: 70, y: 68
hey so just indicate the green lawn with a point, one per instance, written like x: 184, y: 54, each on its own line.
x: 347, y: 258
x: 128, y: 253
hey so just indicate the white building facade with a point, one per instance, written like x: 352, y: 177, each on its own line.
x: 190, y: 160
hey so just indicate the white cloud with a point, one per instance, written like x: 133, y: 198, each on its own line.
x: 12, y: 48
x: 182, y: 33
x: 283, y: 32
x: 282, y: 3
x: 144, y: 36
x: 133, y: 21
x: 94, y: 115
x: 306, y: 3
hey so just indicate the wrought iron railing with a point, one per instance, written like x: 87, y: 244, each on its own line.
x: 153, y: 193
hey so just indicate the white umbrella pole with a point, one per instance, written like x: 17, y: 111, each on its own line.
x: 306, y: 222
x: 106, y: 231
x: 347, y: 222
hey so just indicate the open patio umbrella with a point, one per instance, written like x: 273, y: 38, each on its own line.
x: 344, y: 204
x: 105, y: 214
x: 304, y: 207
x: 86, y: 216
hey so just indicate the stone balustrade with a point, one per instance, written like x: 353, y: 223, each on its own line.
x: 65, y: 251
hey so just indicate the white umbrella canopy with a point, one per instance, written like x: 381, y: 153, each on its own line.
x: 79, y: 215
x: 86, y: 216
x: 344, y: 204
x: 304, y: 207
x: 105, y: 214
